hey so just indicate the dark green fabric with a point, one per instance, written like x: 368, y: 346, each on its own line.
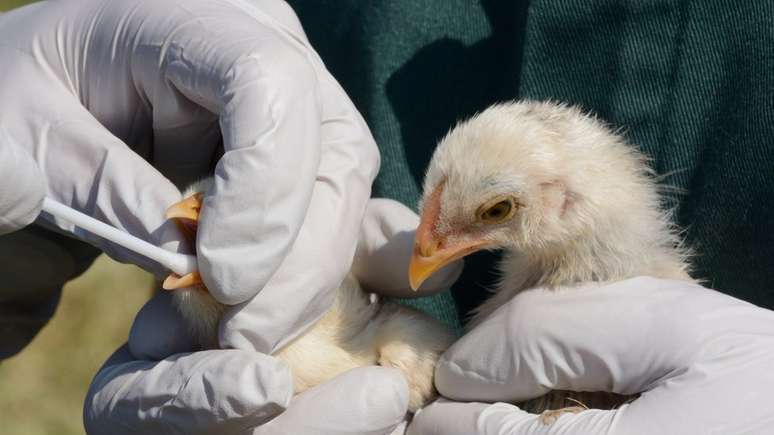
x: 413, y: 69
x: 691, y: 82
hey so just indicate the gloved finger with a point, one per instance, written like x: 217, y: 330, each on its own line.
x: 384, y: 251
x: 279, y: 10
x: 362, y: 401
x: 22, y: 192
x: 159, y: 330
x: 94, y: 172
x: 445, y: 417
x: 261, y: 81
x: 623, y: 337
x: 723, y: 396
x: 220, y: 391
x: 322, y: 253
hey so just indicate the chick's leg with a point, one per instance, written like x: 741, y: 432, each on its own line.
x: 549, y: 417
x: 556, y: 403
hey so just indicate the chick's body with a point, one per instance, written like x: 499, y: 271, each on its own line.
x: 565, y: 197
x: 356, y: 331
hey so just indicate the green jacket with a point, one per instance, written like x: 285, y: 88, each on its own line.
x: 690, y: 82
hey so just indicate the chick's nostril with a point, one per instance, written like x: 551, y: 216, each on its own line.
x: 428, y: 248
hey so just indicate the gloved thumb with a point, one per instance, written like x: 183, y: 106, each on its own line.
x: 445, y: 417
x: 22, y: 188
x: 218, y: 391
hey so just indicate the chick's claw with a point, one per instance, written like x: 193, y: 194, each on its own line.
x: 186, y: 215
x: 550, y: 416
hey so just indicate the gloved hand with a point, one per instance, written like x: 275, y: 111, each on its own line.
x: 21, y: 199
x: 154, y: 385
x: 230, y: 391
x: 702, y: 359
x: 384, y: 249
x: 120, y: 103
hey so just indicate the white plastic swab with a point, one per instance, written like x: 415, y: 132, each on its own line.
x: 181, y: 264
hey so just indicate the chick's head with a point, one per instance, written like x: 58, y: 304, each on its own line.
x: 521, y: 176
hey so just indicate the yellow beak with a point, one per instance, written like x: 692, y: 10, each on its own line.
x: 430, y: 250
x: 422, y: 266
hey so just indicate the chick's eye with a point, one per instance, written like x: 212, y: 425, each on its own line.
x: 497, y: 212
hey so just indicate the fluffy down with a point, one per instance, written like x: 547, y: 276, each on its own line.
x: 355, y: 332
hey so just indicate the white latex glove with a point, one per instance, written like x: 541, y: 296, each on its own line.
x: 381, y: 263
x: 22, y: 188
x: 703, y: 360
x: 154, y: 385
x: 116, y: 100
x: 230, y: 391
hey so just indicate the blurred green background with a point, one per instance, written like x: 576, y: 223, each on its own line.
x: 43, y: 387
x: 6, y: 5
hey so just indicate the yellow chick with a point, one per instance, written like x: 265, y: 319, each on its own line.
x: 357, y: 331
x: 567, y: 200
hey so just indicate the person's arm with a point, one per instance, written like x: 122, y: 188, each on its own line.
x: 701, y: 359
